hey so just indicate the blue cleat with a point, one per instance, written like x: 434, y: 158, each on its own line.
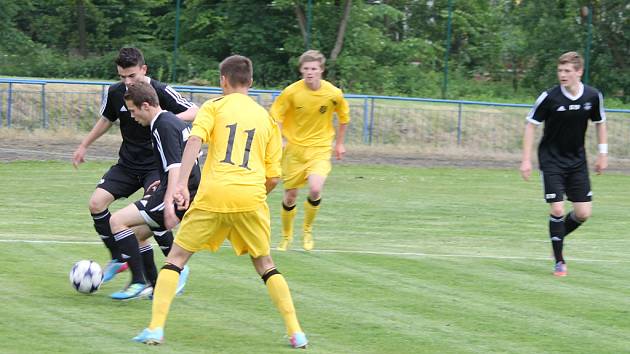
x: 133, y: 291
x: 112, y: 268
x: 298, y: 340
x: 183, y: 277
x: 150, y: 337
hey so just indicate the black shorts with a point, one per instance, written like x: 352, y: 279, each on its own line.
x: 575, y: 184
x: 121, y: 182
x: 151, y: 207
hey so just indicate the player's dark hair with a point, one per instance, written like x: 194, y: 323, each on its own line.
x: 572, y: 58
x: 140, y: 92
x: 238, y: 70
x: 129, y: 57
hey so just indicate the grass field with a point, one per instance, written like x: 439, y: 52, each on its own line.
x: 407, y: 260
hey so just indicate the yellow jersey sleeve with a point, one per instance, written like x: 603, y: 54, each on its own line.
x: 280, y: 106
x: 342, y: 109
x: 273, y: 153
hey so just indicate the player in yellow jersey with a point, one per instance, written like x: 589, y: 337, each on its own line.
x: 242, y: 167
x: 304, y: 110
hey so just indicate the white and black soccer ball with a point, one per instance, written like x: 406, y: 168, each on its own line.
x: 86, y: 276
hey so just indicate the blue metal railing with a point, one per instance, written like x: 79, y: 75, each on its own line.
x: 385, y: 119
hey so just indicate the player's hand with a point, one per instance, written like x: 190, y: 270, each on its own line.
x: 153, y: 186
x: 78, y: 157
x: 170, y: 219
x: 601, y: 164
x: 181, y: 197
x: 340, y: 150
x: 526, y: 170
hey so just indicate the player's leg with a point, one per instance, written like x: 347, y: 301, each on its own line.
x: 281, y: 296
x: 287, y: 216
x: 129, y: 227
x: 554, y: 190
x: 251, y: 233
x: 164, y: 238
x: 163, y: 295
x: 118, y: 182
x: 311, y: 207
x: 579, y: 192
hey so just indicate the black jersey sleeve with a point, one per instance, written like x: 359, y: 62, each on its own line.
x: 172, y: 100
x: 107, y: 106
x: 169, y: 138
x: 539, y: 111
x: 599, y: 113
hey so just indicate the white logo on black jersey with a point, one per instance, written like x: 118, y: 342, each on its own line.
x: 561, y: 109
x: 588, y: 106
x: 123, y: 109
x: 574, y: 107
x: 101, y: 181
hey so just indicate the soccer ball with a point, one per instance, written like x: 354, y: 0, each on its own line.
x: 86, y: 276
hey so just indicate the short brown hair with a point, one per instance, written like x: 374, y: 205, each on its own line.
x: 238, y: 70
x: 140, y: 92
x: 129, y: 57
x: 312, y: 55
x: 571, y: 58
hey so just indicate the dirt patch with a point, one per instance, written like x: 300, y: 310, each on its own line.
x: 47, y: 145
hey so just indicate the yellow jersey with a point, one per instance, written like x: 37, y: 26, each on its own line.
x: 307, y: 116
x: 244, y: 148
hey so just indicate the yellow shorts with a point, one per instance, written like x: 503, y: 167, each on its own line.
x: 248, y: 232
x: 299, y: 162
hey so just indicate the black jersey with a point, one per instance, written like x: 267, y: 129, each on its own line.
x: 169, y: 135
x: 566, y: 119
x: 135, y: 151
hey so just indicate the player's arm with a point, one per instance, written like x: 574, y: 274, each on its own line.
x: 343, y: 115
x: 101, y: 126
x: 181, y: 194
x: 170, y: 219
x: 271, y: 183
x: 528, y: 144
x: 340, y: 148
x: 189, y: 114
x: 602, y: 146
x: 176, y: 103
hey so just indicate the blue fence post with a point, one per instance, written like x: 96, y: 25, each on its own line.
x: 9, y: 98
x: 459, y: 124
x: 44, y: 115
x: 365, y: 120
x: 1, y: 96
x: 371, y: 121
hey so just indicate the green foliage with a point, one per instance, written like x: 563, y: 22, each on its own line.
x: 390, y: 47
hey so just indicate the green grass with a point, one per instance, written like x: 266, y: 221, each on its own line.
x: 407, y: 260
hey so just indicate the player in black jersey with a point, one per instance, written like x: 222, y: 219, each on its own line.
x: 566, y: 109
x: 136, y: 167
x: 141, y: 219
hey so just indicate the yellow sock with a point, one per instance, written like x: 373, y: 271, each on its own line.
x: 281, y: 296
x: 163, y: 295
x: 287, y: 217
x: 310, y: 212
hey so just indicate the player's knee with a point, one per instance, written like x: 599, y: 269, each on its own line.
x: 116, y: 223
x: 97, y: 205
x: 582, y: 215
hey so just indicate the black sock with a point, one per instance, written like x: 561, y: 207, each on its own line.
x: 556, y: 233
x: 313, y: 202
x: 164, y: 240
x: 150, y: 271
x: 130, y: 252
x: 571, y: 223
x: 101, y: 225
x: 288, y: 208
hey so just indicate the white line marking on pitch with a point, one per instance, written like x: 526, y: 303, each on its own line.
x: 378, y: 253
